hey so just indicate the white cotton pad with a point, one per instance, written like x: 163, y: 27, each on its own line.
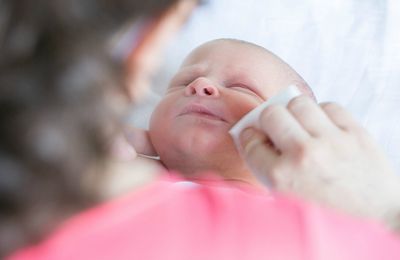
x: 251, y: 118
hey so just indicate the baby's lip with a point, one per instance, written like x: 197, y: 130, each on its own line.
x: 203, y: 111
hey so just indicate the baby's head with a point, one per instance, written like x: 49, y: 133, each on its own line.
x: 218, y: 83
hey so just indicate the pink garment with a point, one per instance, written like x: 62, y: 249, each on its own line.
x: 178, y: 219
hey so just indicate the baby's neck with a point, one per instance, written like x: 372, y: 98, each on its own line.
x: 240, y: 175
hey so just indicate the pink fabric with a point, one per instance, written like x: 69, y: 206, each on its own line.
x: 177, y: 219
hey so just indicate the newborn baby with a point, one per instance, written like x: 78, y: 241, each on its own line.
x: 220, y: 82
x: 217, y: 84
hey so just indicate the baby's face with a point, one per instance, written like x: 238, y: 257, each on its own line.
x: 217, y: 84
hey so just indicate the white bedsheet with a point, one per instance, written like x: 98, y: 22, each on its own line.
x: 347, y: 50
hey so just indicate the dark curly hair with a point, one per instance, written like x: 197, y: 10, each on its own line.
x: 57, y: 81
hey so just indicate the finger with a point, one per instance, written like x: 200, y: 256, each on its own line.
x: 122, y: 150
x: 340, y: 117
x: 283, y: 129
x: 310, y: 116
x: 140, y: 140
x: 258, y: 152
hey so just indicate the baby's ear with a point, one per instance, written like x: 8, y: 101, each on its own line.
x: 140, y: 140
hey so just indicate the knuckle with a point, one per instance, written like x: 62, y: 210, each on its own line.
x: 358, y: 131
x: 250, y: 148
x: 353, y: 128
x: 270, y: 111
x: 362, y: 136
x: 304, y: 155
x: 283, y: 179
x: 331, y: 106
x: 299, y: 102
x: 276, y: 176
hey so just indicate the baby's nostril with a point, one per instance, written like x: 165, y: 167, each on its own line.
x: 208, y: 91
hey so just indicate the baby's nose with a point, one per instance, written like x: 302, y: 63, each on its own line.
x: 202, y: 87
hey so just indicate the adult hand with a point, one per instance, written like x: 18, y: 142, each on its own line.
x: 127, y: 169
x: 140, y: 140
x: 320, y: 153
x: 131, y: 143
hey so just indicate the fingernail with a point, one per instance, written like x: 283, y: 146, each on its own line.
x: 247, y: 134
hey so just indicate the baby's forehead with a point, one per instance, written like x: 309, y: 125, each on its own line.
x: 223, y: 47
x: 237, y: 56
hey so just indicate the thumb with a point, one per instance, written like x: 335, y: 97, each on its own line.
x: 140, y: 140
x: 259, y: 154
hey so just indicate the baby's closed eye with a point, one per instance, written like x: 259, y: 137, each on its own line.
x: 245, y: 89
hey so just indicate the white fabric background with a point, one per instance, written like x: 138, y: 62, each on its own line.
x: 347, y: 50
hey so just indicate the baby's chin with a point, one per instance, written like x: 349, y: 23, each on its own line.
x: 190, y: 146
x: 196, y: 161
x: 205, y: 142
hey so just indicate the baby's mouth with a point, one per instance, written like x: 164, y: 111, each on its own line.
x: 202, y: 111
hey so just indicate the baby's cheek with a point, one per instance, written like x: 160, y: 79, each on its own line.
x: 157, y: 137
x: 158, y: 122
x: 243, y: 108
x: 161, y: 122
x: 160, y: 114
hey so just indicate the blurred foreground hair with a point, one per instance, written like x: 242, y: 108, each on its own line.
x: 58, y: 84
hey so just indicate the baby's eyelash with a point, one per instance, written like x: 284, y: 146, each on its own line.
x: 177, y: 85
x: 242, y: 86
x: 239, y: 85
x: 247, y: 89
